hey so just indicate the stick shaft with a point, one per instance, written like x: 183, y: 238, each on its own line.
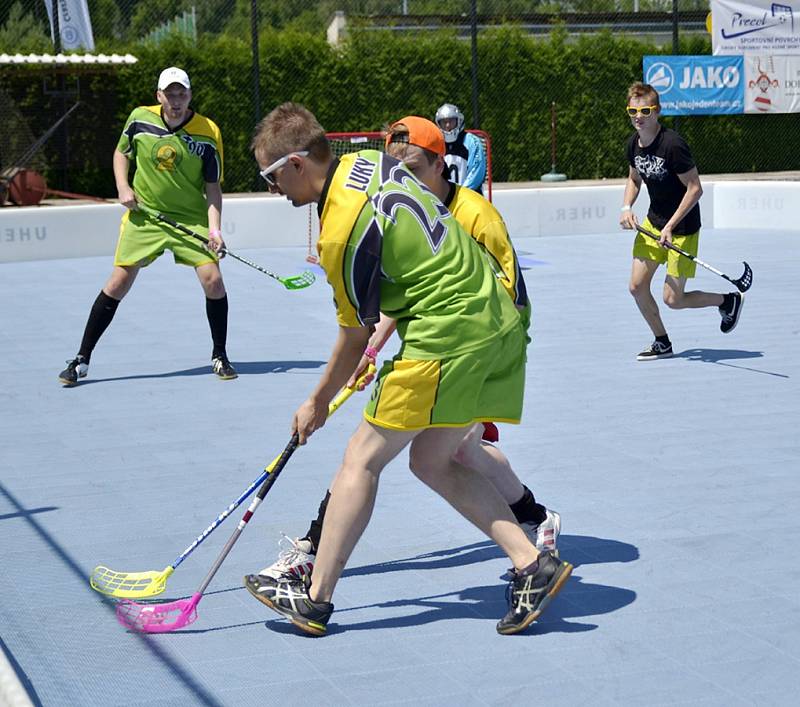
x: 221, y: 517
x: 266, y: 486
x: 194, y: 234
x: 682, y: 252
x: 335, y: 404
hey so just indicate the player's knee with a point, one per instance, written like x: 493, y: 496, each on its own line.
x: 673, y: 300
x: 638, y: 289
x: 214, y: 286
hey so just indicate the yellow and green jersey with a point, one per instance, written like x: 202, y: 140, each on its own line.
x: 173, y: 165
x: 387, y: 244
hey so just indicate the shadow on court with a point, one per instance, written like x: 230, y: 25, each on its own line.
x: 719, y: 355
x: 196, y: 691
x: 28, y: 512
x: 243, y: 368
x: 577, y: 549
x: 577, y: 600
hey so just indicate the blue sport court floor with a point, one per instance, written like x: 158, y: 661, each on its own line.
x: 677, y: 481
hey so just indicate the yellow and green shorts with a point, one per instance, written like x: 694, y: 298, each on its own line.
x: 486, y: 385
x: 677, y: 265
x: 142, y: 240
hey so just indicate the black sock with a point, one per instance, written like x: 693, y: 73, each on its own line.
x: 100, y: 317
x: 526, y: 510
x: 663, y: 340
x: 315, y: 530
x: 217, y: 313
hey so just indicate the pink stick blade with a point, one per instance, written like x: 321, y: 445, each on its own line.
x: 158, y: 618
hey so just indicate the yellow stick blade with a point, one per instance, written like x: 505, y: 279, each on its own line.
x: 129, y: 585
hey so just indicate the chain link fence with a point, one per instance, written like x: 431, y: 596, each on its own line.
x: 359, y: 64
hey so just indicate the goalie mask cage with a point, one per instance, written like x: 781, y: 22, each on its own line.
x: 344, y: 143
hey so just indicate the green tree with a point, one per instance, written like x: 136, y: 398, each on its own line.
x: 23, y: 33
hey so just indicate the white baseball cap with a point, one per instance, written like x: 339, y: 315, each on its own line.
x: 173, y: 75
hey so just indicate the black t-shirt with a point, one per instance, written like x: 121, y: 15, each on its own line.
x: 659, y: 165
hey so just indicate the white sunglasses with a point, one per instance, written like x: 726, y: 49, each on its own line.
x: 268, y: 172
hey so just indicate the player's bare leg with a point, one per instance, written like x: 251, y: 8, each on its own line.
x: 487, y: 459
x: 642, y: 272
x: 469, y: 492
x: 352, y: 499
x: 121, y: 280
x: 676, y: 298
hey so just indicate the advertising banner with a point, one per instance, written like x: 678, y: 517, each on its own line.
x: 74, y: 24
x: 772, y: 84
x: 755, y: 26
x: 696, y: 85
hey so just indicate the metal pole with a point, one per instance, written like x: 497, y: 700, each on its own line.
x: 675, y: 44
x: 56, y: 28
x: 473, y: 19
x: 256, y: 69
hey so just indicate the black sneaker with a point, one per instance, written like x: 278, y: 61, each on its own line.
x: 289, y: 597
x: 730, y: 315
x: 76, y: 368
x: 529, y: 594
x: 222, y: 367
x: 655, y: 351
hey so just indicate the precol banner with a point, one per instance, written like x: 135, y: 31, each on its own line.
x: 696, y: 85
x: 757, y: 26
x: 772, y: 84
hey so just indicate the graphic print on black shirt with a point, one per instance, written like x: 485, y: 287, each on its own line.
x: 659, y: 165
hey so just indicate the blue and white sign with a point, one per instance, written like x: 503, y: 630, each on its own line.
x: 696, y: 85
x: 755, y: 26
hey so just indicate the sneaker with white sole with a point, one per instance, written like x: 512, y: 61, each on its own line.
x: 730, y: 315
x: 545, y: 534
x: 76, y: 368
x: 289, y: 597
x: 295, y: 559
x: 222, y: 367
x: 655, y: 351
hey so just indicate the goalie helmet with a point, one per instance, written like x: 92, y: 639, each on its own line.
x: 448, y: 110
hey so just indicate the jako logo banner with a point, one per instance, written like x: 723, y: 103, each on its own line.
x: 696, y: 85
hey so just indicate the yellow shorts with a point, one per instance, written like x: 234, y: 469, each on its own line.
x: 487, y: 385
x: 142, y: 240
x: 677, y: 265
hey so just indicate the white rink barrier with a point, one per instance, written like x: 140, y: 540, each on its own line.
x: 82, y: 230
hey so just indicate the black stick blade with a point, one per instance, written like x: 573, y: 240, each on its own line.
x: 744, y: 282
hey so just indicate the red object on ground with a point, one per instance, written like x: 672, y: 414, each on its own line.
x: 490, y: 432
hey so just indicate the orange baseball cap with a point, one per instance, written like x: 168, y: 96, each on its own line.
x: 421, y: 132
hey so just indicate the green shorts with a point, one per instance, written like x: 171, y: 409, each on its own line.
x: 142, y: 240
x: 677, y: 265
x: 487, y: 385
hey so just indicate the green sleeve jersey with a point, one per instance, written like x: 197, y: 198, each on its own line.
x: 173, y: 165
x: 387, y: 244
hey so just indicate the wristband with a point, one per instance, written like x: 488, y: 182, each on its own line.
x: 215, y: 232
x: 626, y: 208
x: 371, y: 352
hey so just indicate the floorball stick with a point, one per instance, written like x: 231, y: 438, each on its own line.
x: 150, y: 583
x: 295, y: 282
x: 171, y: 616
x: 742, y: 284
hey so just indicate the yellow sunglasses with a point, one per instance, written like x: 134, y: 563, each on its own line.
x: 644, y: 110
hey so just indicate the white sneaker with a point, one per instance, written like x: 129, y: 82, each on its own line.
x: 296, y: 559
x: 545, y: 534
